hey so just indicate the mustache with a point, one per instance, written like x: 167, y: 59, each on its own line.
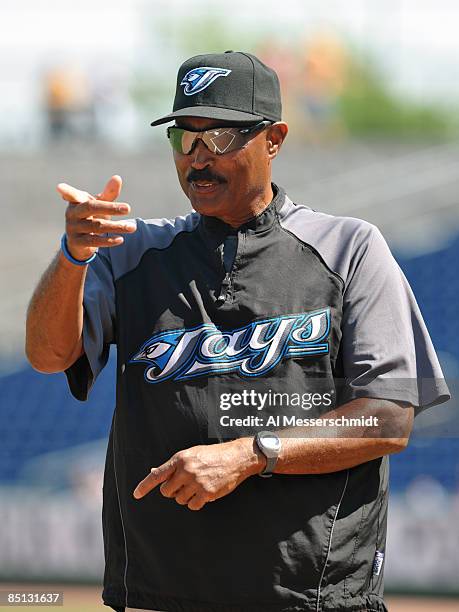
x: 204, y: 175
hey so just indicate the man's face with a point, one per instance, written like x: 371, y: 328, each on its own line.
x: 222, y: 185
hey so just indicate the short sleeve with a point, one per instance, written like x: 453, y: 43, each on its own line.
x: 98, y: 326
x: 386, y: 349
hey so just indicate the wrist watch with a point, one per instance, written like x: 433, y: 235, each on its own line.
x: 269, y: 444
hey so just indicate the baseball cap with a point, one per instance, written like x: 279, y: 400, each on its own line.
x: 230, y: 86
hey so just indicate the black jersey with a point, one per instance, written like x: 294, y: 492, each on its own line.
x: 198, y: 309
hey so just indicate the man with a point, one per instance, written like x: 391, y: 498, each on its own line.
x: 248, y: 299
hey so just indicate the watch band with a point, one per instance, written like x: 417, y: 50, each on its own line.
x: 270, y: 451
x: 269, y: 468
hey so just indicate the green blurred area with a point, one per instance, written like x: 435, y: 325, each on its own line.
x: 368, y: 108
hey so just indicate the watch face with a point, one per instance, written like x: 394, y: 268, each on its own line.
x: 270, y: 441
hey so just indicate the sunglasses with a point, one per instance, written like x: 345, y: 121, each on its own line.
x: 218, y: 140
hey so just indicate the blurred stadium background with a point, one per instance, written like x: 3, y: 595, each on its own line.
x: 371, y: 91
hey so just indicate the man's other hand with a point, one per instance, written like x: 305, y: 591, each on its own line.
x: 88, y: 218
x: 202, y: 474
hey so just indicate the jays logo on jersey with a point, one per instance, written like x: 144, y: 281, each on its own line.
x: 198, y: 79
x: 251, y: 350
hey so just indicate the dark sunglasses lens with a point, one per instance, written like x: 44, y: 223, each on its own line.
x: 178, y: 140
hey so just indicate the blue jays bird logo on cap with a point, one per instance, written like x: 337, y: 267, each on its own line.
x: 198, y: 79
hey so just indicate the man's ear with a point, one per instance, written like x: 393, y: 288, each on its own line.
x: 276, y: 135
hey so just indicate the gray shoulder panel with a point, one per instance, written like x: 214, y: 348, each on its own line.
x: 340, y: 241
x: 386, y: 349
x: 150, y: 234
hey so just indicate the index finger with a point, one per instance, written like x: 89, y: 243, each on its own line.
x: 154, y: 478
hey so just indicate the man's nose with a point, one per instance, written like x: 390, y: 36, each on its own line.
x: 201, y: 155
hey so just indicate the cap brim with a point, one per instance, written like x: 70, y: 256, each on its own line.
x: 210, y: 112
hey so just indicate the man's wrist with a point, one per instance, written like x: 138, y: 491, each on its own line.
x: 252, y: 459
x: 69, y: 266
x: 69, y: 256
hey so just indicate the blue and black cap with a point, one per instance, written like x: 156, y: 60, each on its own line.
x: 230, y: 86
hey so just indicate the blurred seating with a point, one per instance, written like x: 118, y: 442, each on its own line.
x: 39, y: 416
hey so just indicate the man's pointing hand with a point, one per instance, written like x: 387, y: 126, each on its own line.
x: 202, y: 474
x: 88, y: 218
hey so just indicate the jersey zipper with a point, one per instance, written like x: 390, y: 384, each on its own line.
x: 225, y: 288
x: 228, y: 254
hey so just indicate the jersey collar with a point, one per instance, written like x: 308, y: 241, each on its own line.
x: 214, y: 229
